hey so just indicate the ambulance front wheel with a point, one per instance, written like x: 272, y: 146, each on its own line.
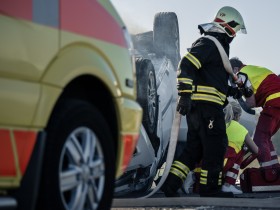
x: 79, y: 167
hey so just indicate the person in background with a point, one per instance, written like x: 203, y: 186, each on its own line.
x: 264, y: 91
x: 237, y: 136
x: 202, y: 84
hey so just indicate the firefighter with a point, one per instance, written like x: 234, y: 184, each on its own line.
x: 202, y: 84
x: 237, y: 136
x: 262, y: 90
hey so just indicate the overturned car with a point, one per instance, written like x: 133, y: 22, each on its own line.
x: 157, y: 58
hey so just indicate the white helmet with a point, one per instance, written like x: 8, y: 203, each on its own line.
x: 228, y: 20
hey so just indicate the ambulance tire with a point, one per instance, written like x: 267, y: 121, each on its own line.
x: 166, y: 36
x: 147, y: 95
x: 79, y: 147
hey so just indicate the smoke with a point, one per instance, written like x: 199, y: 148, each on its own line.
x: 133, y: 26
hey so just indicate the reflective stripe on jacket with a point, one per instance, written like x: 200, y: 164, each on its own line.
x: 201, y: 72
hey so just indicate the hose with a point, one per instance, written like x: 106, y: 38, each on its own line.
x: 224, y: 57
x: 170, y: 154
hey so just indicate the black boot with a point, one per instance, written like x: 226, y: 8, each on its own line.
x: 171, y: 186
x: 169, y: 192
x: 212, y: 189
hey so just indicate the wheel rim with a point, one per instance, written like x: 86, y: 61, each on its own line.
x: 81, y: 170
x: 151, y: 98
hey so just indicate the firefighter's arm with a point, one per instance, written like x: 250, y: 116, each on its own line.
x: 186, y: 74
x: 184, y: 85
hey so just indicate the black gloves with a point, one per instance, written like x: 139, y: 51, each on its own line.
x: 184, y: 104
x: 234, y: 92
x: 247, y: 92
x: 237, y: 93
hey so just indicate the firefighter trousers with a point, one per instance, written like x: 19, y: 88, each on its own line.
x: 206, y: 142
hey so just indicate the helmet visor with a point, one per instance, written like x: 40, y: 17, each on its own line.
x: 242, y: 31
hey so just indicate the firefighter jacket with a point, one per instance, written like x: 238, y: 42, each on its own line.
x: 202, y: 74
x: 236, y: 134
x: 265, y: 84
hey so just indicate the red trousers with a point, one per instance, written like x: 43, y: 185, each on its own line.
x: 268, y: 125
x: 230, y: 170
x: 232, y: 166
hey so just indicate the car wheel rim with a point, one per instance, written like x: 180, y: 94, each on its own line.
x: 81, y: 170
x: 152, y: 98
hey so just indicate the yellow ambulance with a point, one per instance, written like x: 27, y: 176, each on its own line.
x: 69, y: 120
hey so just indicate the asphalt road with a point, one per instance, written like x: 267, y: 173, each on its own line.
x: 245, y: 201
x: 248, y: 201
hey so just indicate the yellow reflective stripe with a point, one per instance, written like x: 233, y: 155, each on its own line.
x: 185, y: 81
x: 203, y: 176
x: 204, y: 173
x: 205, y: 97
x: 207, y: 89
x: 182, y: 166
x: 225, y: 161
x: 220, y: 179
x: 178, y: 173
x: 185, y: 91
x: 203, y: 180
x: 193, y: 60
x: 198, y: 170
x: 272, y: 96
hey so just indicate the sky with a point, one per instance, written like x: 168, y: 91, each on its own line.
x: 260, y: 46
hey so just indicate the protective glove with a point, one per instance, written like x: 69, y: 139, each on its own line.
x: 184, y: 104
x: 234, y: 92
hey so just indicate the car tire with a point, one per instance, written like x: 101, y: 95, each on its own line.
x: 79, y: 161
x: 147, y: 95
x: 166, y: 36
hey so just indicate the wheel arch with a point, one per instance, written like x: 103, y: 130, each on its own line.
x: 93, y: 90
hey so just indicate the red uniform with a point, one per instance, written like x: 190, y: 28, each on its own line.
x: 266, y: 87
x: 236, y: 134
